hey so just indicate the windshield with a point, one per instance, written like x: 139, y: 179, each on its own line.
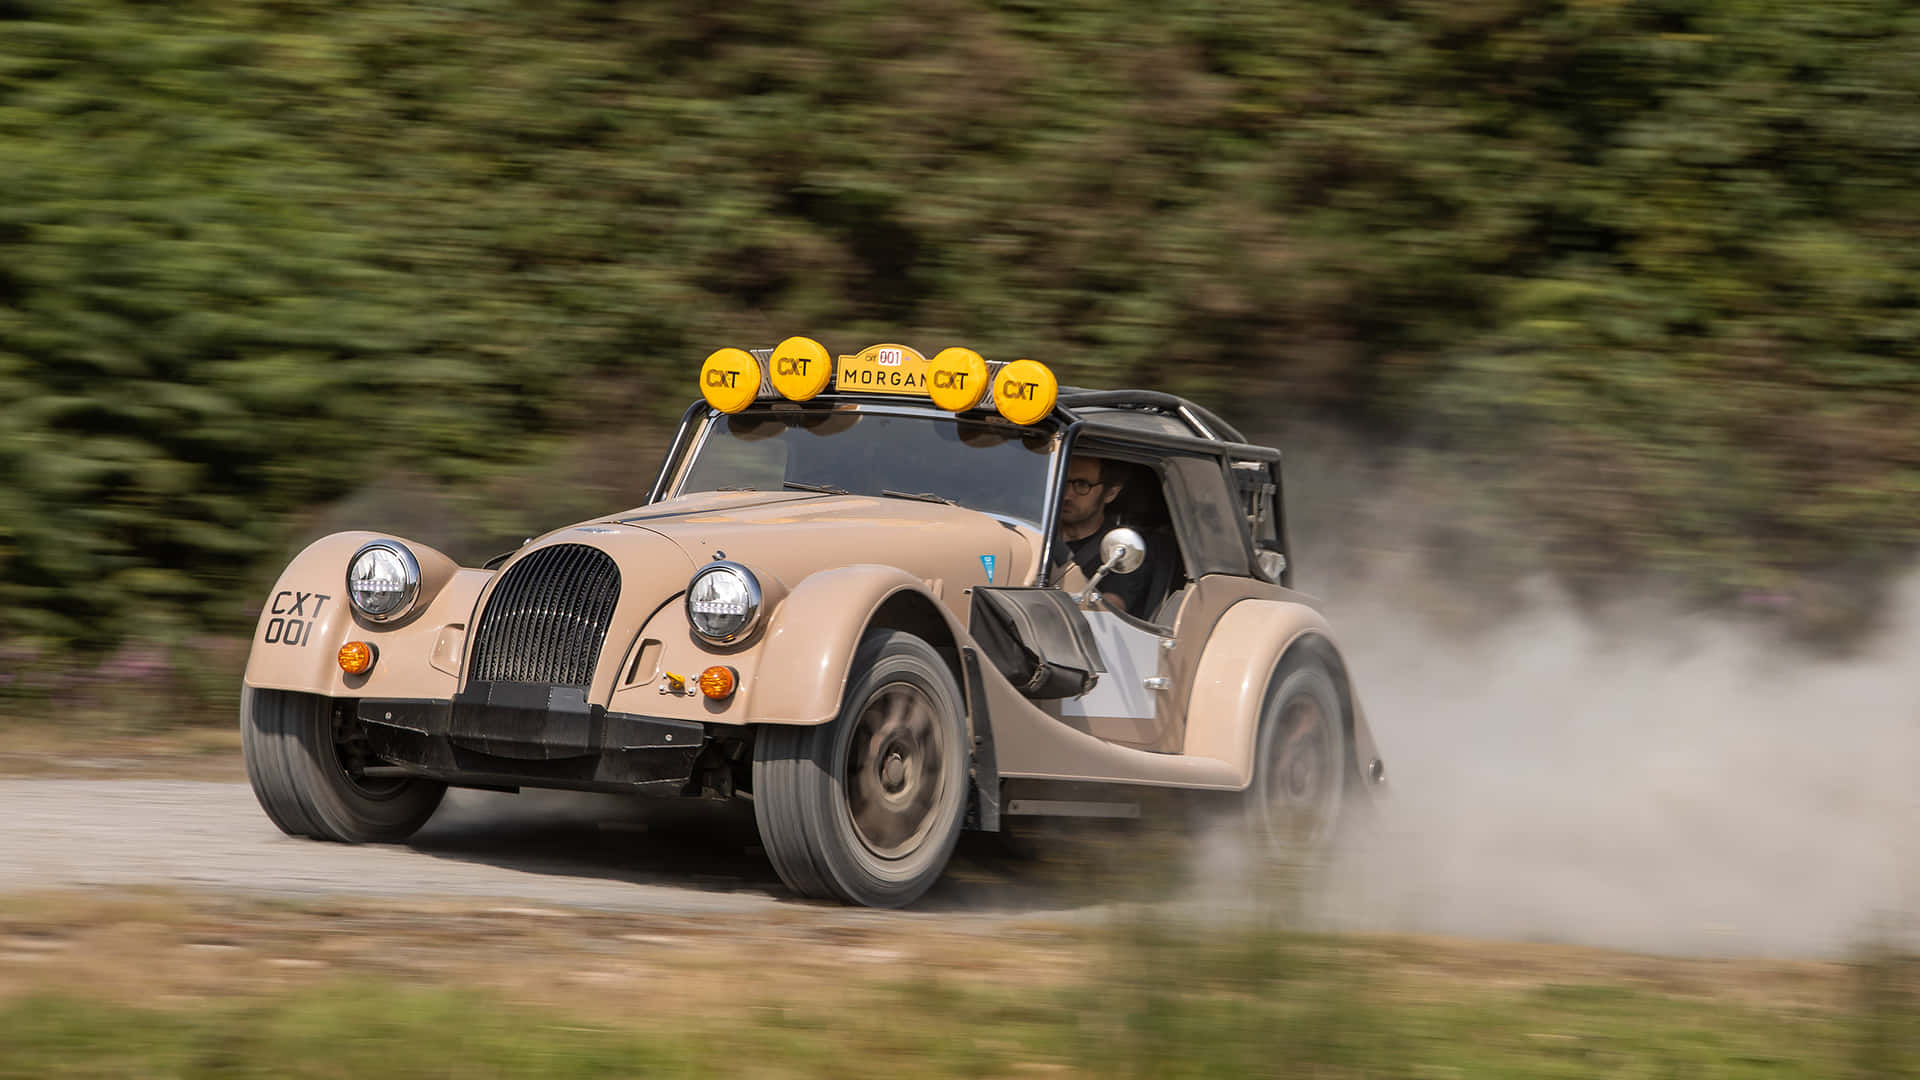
x: 981, y: 466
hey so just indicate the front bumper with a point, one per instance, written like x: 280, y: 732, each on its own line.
x: 532, y: 735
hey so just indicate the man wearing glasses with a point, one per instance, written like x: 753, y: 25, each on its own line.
x: 1091, y: 485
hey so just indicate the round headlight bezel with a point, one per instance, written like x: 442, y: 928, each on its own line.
x: 409, y: 586
x: 750, y: 620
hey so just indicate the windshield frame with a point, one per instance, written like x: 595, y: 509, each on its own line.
x: 701, y: 420
x: 1065, y: 425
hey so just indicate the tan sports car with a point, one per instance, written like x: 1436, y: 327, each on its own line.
x: 886, y: 597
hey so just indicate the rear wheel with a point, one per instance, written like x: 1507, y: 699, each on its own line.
x: 867, y: 808
x: 1300, y: 772
x: 305, y: 774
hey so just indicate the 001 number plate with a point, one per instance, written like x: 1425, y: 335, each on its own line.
x: 883, y: 369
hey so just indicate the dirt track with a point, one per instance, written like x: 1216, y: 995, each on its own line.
x: 145, y: 891
x: 535, y: 847
x: 585, y: 894
x: 539, y: 847
x: 579, y: 894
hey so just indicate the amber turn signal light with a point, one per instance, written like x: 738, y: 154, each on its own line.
x: 717, y: 682
x: 356, y: 657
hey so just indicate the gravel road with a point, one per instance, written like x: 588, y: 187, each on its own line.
x: 567, y: 849
x: 541, y: 847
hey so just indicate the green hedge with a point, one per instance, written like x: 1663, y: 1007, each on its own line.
x: 1645, y: 272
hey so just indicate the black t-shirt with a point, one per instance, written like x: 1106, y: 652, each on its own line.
x: 1131, y: 589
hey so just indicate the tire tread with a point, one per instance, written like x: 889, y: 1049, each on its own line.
x: 263, y: 720
x: 287, y: 739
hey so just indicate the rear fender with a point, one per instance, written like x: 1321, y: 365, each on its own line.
x: 805, y: 659
x: 1253, y: 641
x: 306, y: 618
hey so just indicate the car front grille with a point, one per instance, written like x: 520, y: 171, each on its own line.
x: 547, y: 618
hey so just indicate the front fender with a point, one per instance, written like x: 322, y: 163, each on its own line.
x: 809, y: 646
x: 1230, y: 685
x: 307, y: 618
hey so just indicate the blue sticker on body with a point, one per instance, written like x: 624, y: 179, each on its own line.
x: 987, y: 561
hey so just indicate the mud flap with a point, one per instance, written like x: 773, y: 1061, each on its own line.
x: 983, y: 808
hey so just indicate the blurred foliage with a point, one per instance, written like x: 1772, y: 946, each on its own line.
x: 1637, y: 279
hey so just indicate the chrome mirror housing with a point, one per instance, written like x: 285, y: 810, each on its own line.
x: 1121, y: 552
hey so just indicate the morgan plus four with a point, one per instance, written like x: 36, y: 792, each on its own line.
x: 885, y: 597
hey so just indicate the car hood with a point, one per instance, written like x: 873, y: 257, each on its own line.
x: 791, y: 535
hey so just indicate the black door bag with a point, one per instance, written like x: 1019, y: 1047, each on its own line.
x: 1038, y: 639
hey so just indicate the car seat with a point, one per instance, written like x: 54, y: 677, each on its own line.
x: 1163, y: 560
x: 1142, y: 507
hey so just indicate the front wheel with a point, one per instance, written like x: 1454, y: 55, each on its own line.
x: 1300, y: 772
x: 868, y: 808
x: 304, y: 773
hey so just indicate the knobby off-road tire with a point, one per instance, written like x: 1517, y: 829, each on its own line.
x: 867, y: 808
x: 298, y: 773
x: 1300, y: 766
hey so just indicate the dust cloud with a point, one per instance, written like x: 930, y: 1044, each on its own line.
x: 1647, y: 780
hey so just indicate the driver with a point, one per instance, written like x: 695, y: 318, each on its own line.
x: 1091, y: 484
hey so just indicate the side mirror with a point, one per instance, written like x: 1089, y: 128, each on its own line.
x: 1121, y: 552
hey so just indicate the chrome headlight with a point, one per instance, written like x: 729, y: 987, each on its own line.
x: 383, y: 581
x: 723, y: 602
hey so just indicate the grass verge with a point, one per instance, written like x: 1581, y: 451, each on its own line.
x: 80, y: 751
x: 1146, y: 999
